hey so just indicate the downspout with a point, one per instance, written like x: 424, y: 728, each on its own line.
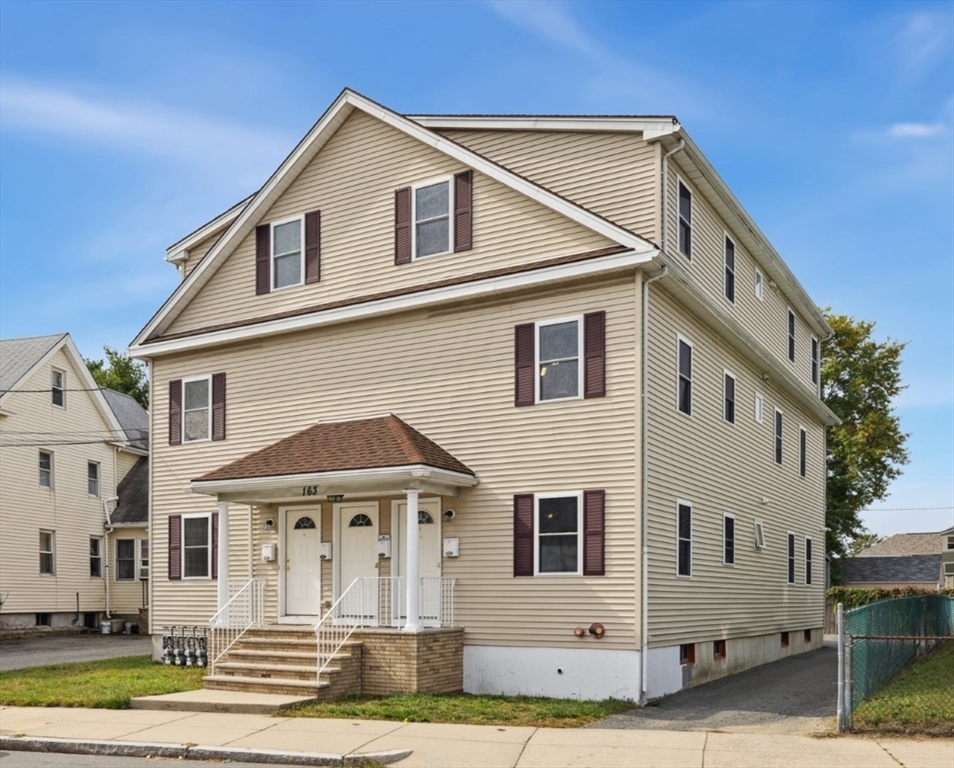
x: 109, y: 530
x: 644, y: 431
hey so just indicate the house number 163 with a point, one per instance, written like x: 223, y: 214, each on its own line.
x: 309, y: 490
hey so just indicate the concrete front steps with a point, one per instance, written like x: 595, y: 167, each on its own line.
x: 283, y: 660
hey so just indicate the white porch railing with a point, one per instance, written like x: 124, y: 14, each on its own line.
x: 371, y: 601
x: 244, y: 610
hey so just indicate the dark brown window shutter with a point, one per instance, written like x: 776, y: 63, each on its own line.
x: 175, y: 547
x: 523, y: 364
x: 263, y: 254
x: 523, y: 534
x: 463, y: 211
x: 218, y: 406
x: 593, y: 533
x: 402, y: 226
x: 175, y: 412
x: 215, y: 545
x: 313, y: 247
x: 594, y: 352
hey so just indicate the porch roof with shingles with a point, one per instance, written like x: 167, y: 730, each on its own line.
x: 340, y: 446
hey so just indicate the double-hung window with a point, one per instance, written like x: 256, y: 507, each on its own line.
x: 92, y: 478
x: 728, y: 397
x: 58, y: 388
x: 683, y: 538
x: 196, y: 409
x: 144, y: 558
x: 196, y: 546
x: 685, y: 221
x: 46, y: 469
x: 791, y: 558
x: 287, y: 239
x: 125, y: 559
x: 791, y: 336
x: 95, y: 558
x: 47, y: 559
x: 559, y: 373
x: 778, y: 436
x: 729, y: 283
x: 815, y: 360
x: 808, y: 560
x: 684, y: 377
x: 433, y: 222
x: 802, y: 451
x: 728, y: 539
x: 559, y: 524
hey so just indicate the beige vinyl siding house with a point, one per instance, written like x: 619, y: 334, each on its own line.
x: 498, y: 387
x: 63, y: 452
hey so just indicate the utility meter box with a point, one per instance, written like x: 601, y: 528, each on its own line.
x: 324, y: 550
x: 384, y: 545
x: 269, y: 552
x: 452, y: 547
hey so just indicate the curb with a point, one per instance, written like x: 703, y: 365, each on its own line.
x: 149, y: 749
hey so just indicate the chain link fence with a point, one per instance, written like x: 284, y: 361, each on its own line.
x: 877, y: 642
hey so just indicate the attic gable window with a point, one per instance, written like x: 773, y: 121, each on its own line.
x: 58, y: 388
x: 432, y: 219
x: 287, y: 238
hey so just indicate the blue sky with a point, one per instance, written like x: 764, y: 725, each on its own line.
x: 125, y: 125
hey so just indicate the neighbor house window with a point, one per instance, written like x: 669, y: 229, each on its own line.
x: 47, y: 562
x: 791, y: 558
x: 802, y: 451
x: 95, y: 558
x: 46, y: 469
x: 144, y: 558
x: 58, y: 388
x: 287, y: 238
x: 683, y: 539
x: 728, y: 397
x: 196, y: 409
x: 125, y: 559
x: 815, y: 360
x: 684, y: 379
x: 559, y: 371
x: 92, y: 478
x: 558, y: 532
x: 685, y: 221
x: 196, y: 547
x: 728, y: 539
x: 759, y: 535
x: 808, y: 560
x: 758, y: 407
x: 432, y: 218
x: 791, y: 336
x: 729, y: 286
x: 778, y: 436
x: 759, y: 280
x: 950, y: 543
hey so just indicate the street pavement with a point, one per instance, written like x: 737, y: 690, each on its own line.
x: 307, y: 741
x: 42, y: 650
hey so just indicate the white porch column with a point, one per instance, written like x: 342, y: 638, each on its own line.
x: 412, y: 570
x: 223, y: 561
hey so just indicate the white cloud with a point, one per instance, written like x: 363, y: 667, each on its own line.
x: 200, y: 142
x: 915, y: 130
x: 922, y: 43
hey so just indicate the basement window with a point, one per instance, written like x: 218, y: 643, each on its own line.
x: 785, y: 640
x: 808, y: 636
x: 718, y: 650
x: 687, y: 654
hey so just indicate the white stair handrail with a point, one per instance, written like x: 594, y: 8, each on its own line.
x: 332, y: 634
x: 243, y: 611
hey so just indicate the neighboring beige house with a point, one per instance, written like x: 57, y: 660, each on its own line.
x: 67, y: 450
x: 904, y: 560
x: 538, y: 378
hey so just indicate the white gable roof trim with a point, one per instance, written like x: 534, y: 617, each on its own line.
x: 329, y: 122
x: 179, y: 251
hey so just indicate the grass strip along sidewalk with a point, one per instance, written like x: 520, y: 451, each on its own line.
x: 112, y: 684
x: 95, y: 684
x: 919, y: 700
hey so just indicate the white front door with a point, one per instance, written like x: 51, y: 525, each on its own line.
x: 429, y: 555
x: 358, y: 557
x: 302, y: 562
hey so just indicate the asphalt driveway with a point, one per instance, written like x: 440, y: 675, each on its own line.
x: 793, y: 695
x: 56, y: 649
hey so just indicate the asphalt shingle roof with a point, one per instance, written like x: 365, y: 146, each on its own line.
x: 339, y: 446
x: 912, y: 569
x: 132, y: 417
x: 904, y: 544
x: 17, y: 356
x: 133, y: 493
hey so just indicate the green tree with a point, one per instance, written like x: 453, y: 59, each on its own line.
x: 122, y: 373
x: 860, y: 379
x: 862, y: 541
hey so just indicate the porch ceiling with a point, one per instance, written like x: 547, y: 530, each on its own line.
x: 356, y: 457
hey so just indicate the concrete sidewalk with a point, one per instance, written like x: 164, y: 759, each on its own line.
x: 308, y: 741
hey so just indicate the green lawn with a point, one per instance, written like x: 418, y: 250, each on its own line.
x: 100, y: 684
x: 920, y: 700
x: 464, y: 708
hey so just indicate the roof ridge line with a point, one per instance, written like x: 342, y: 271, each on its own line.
x: 399, y: 429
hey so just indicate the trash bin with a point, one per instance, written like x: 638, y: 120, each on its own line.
x: 105, y: 627
x: 116, y: 625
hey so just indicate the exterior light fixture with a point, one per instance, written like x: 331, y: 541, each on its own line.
x: 334, y: 498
